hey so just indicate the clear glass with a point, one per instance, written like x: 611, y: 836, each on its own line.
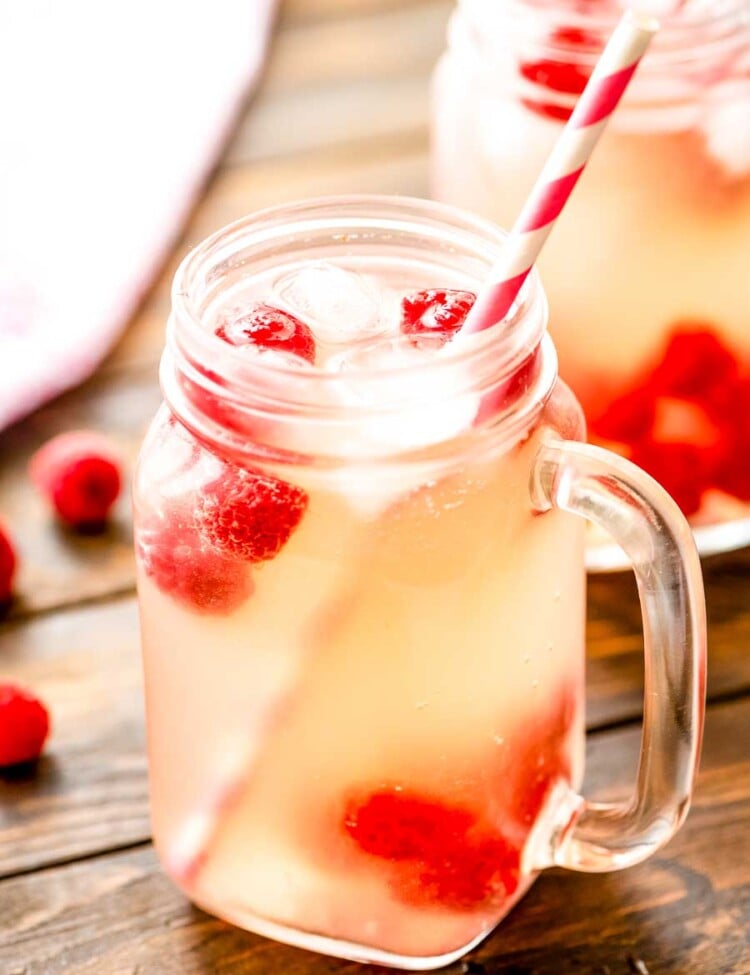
x: 365, y: 716
x: 647, y: 272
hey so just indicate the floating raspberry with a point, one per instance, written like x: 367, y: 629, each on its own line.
x: 566, y: 76
x: 442, y: 854
x: 185, y: 567
x: 269, y: 328
x: 79, y: 474
x: 248, y: 515
x: 8, y: 562
x: 24, y: 726
x: 435, y: 314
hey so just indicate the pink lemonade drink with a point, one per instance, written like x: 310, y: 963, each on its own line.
x: 362, y: 614
x: 647, y: 275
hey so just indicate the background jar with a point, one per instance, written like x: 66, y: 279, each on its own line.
x: 656, y: 238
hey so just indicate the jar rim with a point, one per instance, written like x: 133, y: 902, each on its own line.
x: 277, y: 388
x: 455, y: 224
x: 697, y: 34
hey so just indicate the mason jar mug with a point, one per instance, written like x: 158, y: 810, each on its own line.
x: 362, y: 591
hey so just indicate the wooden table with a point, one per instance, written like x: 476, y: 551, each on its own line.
x: 343, y: 108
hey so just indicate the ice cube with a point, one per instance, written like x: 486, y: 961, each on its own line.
x: 340, y: 306
x: 413, y: 406
x: 175, y: 460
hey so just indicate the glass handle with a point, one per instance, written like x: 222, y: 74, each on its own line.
x: 648, y: 525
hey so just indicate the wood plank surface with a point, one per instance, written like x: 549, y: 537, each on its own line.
x: 685, y: 912
x: 361, y: 85
x: 310, y: 11
x: 89, y: 791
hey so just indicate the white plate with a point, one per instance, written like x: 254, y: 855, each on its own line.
x: 603, y: 555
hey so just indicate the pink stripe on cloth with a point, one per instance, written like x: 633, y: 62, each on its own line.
x: 609, y: 92
x: 113, y: 117
x: 556, y: 195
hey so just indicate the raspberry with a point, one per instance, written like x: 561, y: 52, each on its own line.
x: 248, y: 515
x: 678, y: 420
x: 269, y: 328
x: 79, y: 474
x: 680, y: 468
x: 436, y: 314
x: 707, y: 446
x: 400, y: 826
x: 694, y: 362
x: 8, y: 563
x: 24, y: 726
x: 479, y: 874
x: 732, y: 472
x: 563, y: 76
x: 627, y: 418
x: 184, y: 567
x: 442, y: 855
x: 684, y: 422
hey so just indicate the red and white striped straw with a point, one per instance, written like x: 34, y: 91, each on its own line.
x: 568, y: 159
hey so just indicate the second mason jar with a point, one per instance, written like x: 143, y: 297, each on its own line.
x: 647, y: 272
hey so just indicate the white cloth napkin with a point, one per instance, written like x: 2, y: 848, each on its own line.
x: 111, y: 117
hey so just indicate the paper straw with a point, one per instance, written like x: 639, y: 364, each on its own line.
x: 193, y: 844
x: 563, y: 168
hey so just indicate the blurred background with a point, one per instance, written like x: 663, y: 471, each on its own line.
x: 126, y: 144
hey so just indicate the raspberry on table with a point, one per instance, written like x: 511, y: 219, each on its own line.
x: 8, y: 563
x: 185, y: 567
x: 435, y: 314
x: 248, y: 515
x: 24, y: 726
x: 268, y: 327
x: 79, y: 475
x: 440, y: 854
